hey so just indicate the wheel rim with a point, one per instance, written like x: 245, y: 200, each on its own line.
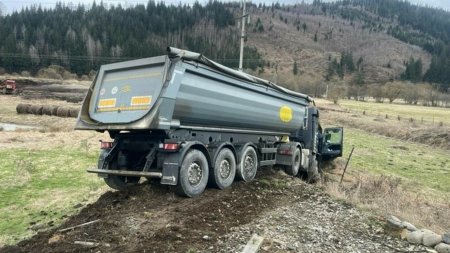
x: 297, y: 161
x: 225, y: 168
x: 195, y: 174
x: 249, y: 163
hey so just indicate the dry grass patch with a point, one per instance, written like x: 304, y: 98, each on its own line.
x: 426, y: 133
x: 8, y: 114
x: 387, y: 195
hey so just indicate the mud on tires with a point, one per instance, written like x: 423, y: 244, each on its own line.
x: 120, y: 183
x: 224, y: 170
x: 115, y: 182
x: 248, y: 165
x: 293, y: 169
x: 193, y: 176
x: 313, y: 171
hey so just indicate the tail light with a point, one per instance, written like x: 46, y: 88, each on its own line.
x: 106, y: 144
x: 285, y: 152
x: 169, y: 146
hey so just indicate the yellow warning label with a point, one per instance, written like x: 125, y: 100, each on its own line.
x: 141, y: 100
x: 124, y: 108
x: 285, y: 113
x: 107, y: 103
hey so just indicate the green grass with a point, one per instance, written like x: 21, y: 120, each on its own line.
x: 423, y: 167
x: 429, y: 114
x: 42, y: 187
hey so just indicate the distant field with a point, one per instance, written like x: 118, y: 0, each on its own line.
x: 417, y: 164
x: 416, y: 112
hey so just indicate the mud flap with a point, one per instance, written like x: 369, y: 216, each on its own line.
x: 170, y: 169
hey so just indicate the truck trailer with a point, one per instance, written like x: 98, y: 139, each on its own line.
x: 190, y: 122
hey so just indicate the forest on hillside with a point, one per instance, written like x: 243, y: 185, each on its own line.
x: 81, y: 39
x: 426, y: 27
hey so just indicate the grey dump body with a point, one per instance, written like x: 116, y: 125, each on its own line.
x: 189, y: 122
x: 186, y: 91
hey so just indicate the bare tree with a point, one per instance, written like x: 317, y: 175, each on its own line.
x: 336, y: 92
x: 2, y: 9
x: 411, y: 93
x: 392, y: 90
x: 376, y: 91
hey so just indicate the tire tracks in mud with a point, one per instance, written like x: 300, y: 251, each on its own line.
x: 151, y: 218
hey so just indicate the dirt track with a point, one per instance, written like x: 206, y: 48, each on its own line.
x: 37, y: 88
x: 292, y: 216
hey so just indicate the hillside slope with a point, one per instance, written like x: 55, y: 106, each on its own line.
x: 289, y: 36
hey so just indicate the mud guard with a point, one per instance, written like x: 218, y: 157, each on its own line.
x: 172, y: 161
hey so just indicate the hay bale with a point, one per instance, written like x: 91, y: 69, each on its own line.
x: 73, y: 112
x: 55, y: 110
x: 47, y: 110
x: 29, y: 111
x: 22, y: 108
x: 62, y: 112
x: 36, y: 109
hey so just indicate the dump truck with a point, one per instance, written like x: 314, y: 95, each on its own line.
x: 187, y: 121
x: 8, y: 87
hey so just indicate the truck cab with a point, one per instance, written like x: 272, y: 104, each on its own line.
x: 9, y: 87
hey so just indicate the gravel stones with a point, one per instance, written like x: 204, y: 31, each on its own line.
x: 322, y: 225
x: 442, y: 248
x: 431, y: 239
x: 446, y: 238
x: 415, y: 237
x: 394, y: 222
x: 408, y: 231
x: 409, y: 226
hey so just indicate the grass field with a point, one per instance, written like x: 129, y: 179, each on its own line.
x: 398, y: 168
x: 39, y: 188
x: 429, y: 114
x: 419, y: 165
x: 43, y: 173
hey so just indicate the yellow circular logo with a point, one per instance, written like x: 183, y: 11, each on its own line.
x: 285, y: 113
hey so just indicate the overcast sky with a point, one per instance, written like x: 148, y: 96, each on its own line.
x: 11, y: 5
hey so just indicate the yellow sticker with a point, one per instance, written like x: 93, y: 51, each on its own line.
x: 141, y: 100
x: 285, y: 113
x: 107, y: 103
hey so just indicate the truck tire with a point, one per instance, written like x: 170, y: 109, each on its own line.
x: 313, y: 171
x: 119, y: 183
x: 224, y: 170
x: 248, y: 165
x: 193, y: 176
x: 296, y: 161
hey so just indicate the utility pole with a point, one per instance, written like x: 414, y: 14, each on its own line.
x: 241, y: 55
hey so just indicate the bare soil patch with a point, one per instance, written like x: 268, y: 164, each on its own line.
x: 150, y: 218
x: 40, y: 88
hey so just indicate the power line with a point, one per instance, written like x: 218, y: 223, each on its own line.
x: 89, y: 58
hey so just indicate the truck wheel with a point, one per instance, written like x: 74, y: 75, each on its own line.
x: 248, y: 165
x: 119, y: 183
x: 313, y: 171
x: 296, y: 161
x: 193, y: 175
x: 222, y: 175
